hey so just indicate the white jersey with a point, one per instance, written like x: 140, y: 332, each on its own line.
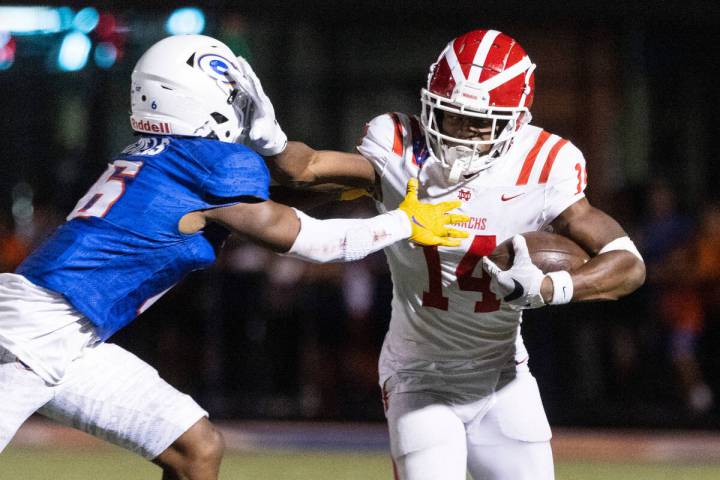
x: 447, y: 328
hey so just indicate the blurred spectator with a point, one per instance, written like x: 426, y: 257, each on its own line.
x: 668, y: 238
x: 13, y: 248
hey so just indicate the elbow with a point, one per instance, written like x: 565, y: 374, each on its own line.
x: 633, y: 279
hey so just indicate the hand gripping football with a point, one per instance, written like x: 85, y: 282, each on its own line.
x: 550, y: 252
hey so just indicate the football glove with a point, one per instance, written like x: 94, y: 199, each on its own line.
x: 353, y: 194
x: 265, y: 135
x: 429, y: 221
x: 518, y: 286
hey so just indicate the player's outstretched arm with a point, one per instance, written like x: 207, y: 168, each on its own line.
x: 294, y: 163
x: 301, y: 166
x: 290, y: 231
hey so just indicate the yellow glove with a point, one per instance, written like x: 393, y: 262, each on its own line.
x: 429, y: 221
x: 354, y: 194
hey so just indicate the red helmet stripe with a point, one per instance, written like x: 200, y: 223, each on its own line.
x: 530, y: 159
x: 398, y: 148
x: 551, y: 159
x: 484, y: 50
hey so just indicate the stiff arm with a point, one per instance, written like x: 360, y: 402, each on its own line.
x: 301, y: 166
x: 286, y: 230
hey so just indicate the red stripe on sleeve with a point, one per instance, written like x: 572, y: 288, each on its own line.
x: 530, y: 159
x: 398, y: 142
x: 551, y: 159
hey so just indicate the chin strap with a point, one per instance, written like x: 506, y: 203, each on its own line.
x: 464, y: 161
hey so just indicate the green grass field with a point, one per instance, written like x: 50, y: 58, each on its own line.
x: 114, y: 464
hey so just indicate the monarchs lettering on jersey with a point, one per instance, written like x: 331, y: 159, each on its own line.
x: 121, y: 245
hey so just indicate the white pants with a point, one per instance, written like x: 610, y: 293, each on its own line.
x: 107, y: 392
x: 505, y: 436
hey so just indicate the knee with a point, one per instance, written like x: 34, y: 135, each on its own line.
x: 208, y: 447
x: 197, y: 453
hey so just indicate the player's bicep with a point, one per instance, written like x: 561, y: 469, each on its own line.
x: 588, y: 226
x: 269, y: 224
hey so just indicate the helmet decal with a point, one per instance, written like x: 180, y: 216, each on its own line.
x: 183, y: 85
x: 216, y: 66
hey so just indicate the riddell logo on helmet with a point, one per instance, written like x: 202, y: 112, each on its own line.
x: 150, y: 127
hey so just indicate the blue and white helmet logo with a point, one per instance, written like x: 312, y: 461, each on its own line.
x: 216, y: 66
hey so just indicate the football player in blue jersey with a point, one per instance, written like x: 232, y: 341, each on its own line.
x: 162, y: 209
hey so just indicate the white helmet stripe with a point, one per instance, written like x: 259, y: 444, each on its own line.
x: 453, y: 63
x: 506, y: 75
x: 481, y: 55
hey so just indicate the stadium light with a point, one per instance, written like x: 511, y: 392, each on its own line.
x: 186, y: 20
x: 32, y: 20
x: 86, y: 20
x: 105, y: 54
x: 7, y: 51
x: 74, y: 52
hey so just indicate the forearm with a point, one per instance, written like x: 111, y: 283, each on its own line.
x: 345, y: 240
x: 291, y: 166
x: 300, y: 166
x: 608, y: 276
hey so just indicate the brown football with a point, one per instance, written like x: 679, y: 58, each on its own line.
x: 550, y: 252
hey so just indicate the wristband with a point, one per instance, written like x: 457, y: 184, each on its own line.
x: 562, y: 287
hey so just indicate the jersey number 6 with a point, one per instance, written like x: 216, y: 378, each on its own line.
x: 106, y: 191
x: 481, y: 245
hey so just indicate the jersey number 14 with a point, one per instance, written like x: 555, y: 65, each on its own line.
x: 481, y: 246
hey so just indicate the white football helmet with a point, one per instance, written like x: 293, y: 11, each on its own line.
x: 483, y: 74
x: 186, y: 85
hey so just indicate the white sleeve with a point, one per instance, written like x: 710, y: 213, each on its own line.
x: 345, y: 240
x: 377, y: 143
x: 566, y: 182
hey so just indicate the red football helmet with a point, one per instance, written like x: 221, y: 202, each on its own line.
x: 486, y: 75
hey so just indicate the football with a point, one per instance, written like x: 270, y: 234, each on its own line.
x: 550, y: 252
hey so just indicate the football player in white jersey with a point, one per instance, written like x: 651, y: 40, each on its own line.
x: 456, y: 386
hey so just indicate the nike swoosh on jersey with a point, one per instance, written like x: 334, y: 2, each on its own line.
x: 505, y: 198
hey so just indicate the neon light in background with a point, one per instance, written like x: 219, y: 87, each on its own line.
x: 7, y: 50
x: 74, y: 52
x: 187, y: 20
x: 86, y: 20
x: 31, y: 20
x: 105, y: 54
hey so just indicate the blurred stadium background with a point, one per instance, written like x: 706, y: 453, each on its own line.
x: 283, y: 354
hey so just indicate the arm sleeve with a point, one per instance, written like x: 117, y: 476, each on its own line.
x: 376, y: 144
x: 346, y: 240
x: 566, y: 183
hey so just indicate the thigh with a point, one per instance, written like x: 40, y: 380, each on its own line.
x: 22, y: 392
x: 427, y: 439
x: 113, y: 395
x: 512, y: 440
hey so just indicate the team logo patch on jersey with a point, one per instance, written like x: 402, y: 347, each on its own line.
x: 465, y: 194
x: 147, y: 146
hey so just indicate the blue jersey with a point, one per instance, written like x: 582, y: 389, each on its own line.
x: 121, y: 248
